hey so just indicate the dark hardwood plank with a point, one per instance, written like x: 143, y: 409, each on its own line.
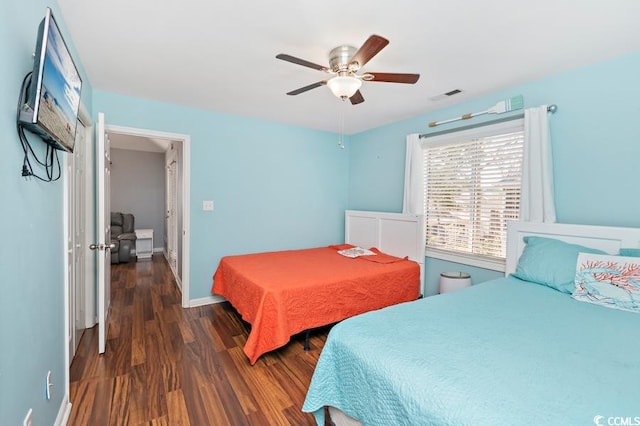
x: 83, y: 394
x: 166, y: 365
x: 216, y: 407
x: 102, y: 404
x: 178, y: 414
x: 120, y: 412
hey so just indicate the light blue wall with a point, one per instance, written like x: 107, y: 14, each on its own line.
x: 32, y: 253
x: 274, y: 186
x: 596, y: 147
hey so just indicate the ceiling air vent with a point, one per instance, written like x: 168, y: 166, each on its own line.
x: 445, y: 95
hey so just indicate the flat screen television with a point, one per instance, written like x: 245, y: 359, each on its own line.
x: 52, y: 97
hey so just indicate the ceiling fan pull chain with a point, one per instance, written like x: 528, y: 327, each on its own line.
x: 341, y: 109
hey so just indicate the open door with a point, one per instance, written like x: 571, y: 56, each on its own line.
x: 103, y: 229
x: 171, y: 216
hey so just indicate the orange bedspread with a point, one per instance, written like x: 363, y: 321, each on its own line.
x: 283, y: 293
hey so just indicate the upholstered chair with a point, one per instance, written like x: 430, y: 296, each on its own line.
x: 123, y: 237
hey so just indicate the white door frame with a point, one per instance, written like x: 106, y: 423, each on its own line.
x: 186, y: 186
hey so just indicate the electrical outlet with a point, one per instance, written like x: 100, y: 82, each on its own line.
x: 207, y: 205
x: 27, y: 419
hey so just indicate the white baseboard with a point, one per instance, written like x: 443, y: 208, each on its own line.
x: 155, y: 250
x: 64, y: 412
x: 209, y: 300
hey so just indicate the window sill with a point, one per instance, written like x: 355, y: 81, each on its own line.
x: 466, y: 259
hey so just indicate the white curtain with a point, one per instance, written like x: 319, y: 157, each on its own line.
x: 536, y: 199
x: 413, y: 201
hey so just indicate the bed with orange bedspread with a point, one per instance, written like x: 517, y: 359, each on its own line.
x: 286, y: 292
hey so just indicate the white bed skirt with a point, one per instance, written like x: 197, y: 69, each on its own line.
x: 338, y: 418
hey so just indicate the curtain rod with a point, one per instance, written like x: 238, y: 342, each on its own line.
x: 551, y: 108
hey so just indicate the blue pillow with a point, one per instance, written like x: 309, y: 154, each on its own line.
x: 550, y: 262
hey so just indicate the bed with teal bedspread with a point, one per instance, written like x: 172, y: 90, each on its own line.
x: 504, y: 352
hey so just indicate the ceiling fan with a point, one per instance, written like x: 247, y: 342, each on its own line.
x: 345, y: 62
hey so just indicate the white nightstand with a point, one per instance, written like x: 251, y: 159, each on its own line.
x: 144, y: 243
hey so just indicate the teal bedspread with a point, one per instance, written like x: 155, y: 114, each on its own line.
x: 505, y: 352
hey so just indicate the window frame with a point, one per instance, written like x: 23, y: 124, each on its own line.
x: 488, y: 129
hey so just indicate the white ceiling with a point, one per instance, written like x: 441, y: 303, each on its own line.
x: 220, y: 55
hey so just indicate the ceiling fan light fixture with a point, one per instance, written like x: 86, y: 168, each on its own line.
x: 344, y: 86
x: 345, y: 63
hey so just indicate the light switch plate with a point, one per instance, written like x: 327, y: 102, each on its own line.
x: 207, y: 205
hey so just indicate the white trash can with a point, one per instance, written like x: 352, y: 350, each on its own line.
x: 452, y: 281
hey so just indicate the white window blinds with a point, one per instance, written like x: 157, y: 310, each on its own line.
x: 472, y: 188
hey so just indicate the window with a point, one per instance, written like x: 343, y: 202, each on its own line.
x: 472, y: 188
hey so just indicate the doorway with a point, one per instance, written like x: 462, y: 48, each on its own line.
x: 174, y: 148
x: 80, y: 201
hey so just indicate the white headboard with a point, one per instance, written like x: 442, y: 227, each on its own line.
x: 606, y: 238
x: 397, y: 234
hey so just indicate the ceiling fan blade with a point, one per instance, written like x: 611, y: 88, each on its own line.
x: 302, y: 62
x: 369, y: 49
x: 306, y: 88
x: 392, y: 77
x: 356, y: 98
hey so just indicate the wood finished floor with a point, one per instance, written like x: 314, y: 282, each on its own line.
x: 165, y: 365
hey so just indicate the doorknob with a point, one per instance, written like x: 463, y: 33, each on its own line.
x: 101, y: 246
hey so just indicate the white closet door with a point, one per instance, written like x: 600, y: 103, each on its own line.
x: 172, y: 218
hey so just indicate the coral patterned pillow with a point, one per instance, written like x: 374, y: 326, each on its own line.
x: 611, y: 281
